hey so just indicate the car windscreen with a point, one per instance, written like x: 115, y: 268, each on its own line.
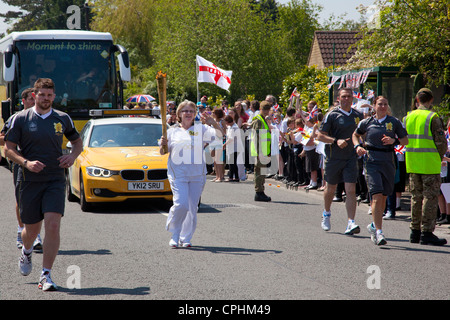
x: 125, y: 135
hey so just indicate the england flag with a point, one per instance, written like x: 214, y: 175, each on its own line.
x: 209, y: 72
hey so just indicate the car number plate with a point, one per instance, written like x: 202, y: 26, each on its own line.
x: 133, y: 186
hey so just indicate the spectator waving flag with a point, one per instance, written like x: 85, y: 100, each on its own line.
x: 314, y: 112
x: 400, y: 149
x: 357, y: 95
x: 293, y: 94
x: 370, y: 94
x: 209, y: 72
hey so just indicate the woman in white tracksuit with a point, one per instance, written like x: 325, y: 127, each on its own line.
x: 186, y: 170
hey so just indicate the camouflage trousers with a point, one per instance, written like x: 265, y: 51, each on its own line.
x: 424, y: 201
x: 259, y: 179
x: 269, y: 166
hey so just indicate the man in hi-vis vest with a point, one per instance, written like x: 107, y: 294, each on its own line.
x: 260, y: 147
x: 427, y: 145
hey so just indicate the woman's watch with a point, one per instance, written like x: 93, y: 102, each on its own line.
x: 25, y: 163
x: 357, y: 145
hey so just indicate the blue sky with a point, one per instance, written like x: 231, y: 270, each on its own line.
x: 338, y: 8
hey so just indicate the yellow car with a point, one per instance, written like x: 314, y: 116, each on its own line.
x: 120, y: 161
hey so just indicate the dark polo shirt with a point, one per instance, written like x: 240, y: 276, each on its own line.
x: 341, y: 125
x: 40, y: 138
x: 389, y: 126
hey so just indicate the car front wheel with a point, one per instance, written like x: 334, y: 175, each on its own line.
x: 85, y: 206
x: 70, y: 196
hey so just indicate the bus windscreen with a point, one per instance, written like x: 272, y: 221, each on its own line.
x: 83, y: 72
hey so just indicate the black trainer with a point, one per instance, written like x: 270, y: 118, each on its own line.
x: 261, y: 196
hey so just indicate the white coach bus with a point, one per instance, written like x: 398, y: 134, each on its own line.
x: 81, y: 63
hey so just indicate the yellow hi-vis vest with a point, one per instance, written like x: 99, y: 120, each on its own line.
x: 264, y: 140
x: 421, y: 154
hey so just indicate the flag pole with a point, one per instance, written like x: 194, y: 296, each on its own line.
x: 196, y: 78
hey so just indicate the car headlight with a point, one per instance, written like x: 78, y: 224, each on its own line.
x: 100, y: 172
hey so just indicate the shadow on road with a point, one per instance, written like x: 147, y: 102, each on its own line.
x: 99, y: 252
x: 103, y: 291
x: 232, y: 250
x: 133, y: 206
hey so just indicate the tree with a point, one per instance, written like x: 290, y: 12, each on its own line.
x: 409, y: 33
x: 227, y: 33
x: 251, y: 38
x: 40, y: 15
x: 131, y: 24
x: 268, y: 9
x: 311, y: 83
x: 169, y: 34
x: 298, y: 22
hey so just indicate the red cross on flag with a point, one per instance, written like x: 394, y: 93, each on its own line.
x: 209, y: 72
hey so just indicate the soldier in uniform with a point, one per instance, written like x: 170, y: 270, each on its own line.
x: 260, y: 148
x: 427, y: 145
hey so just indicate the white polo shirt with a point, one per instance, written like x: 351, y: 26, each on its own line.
x: 186, y: 147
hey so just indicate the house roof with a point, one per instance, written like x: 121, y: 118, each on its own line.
x: 321, y: 53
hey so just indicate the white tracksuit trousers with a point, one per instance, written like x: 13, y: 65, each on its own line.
x: 182, y: 219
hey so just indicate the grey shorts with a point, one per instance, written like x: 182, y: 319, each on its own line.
x: 39, y: 197
x: 380, y: 177
x: 338, y: 170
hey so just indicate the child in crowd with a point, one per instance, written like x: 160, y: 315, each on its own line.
x: 311, y: 156
x: 231, y: 148
x: 302, y: 177
x: 291, y: 170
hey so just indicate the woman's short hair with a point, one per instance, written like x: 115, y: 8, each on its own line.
x: 181, y: 106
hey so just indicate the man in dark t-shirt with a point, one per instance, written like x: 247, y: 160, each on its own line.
x: 38, y: 132
x: 340, y: 161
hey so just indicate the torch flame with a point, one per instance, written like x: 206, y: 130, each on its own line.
x: 160, y: 75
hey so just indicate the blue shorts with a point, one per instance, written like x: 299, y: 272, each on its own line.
x: 39, y: 197
x: 340, y: 170
x: 380, y: 177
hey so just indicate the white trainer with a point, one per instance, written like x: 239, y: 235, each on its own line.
x: 37, y: 244
x: 376, y: 237
x: 173, y: 243
x: 185, y: 244
x: 326, y: 223
x: 46, y: 283
x: 352, y: 228
x: 380, y: 240
x: 372, y: 232
x: 25, y: 265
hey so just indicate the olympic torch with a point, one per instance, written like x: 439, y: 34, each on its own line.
x: 161, y: 80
